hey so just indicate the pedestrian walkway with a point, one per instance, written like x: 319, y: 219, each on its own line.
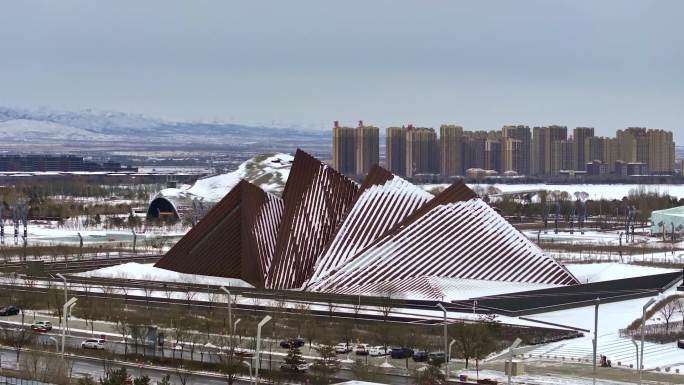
x: 620, y: 351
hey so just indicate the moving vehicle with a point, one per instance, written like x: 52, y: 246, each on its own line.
x: 9, y: 310
x: 420, y: 356
x: 401, y: 353
x: 41, y: 326
x: 377, y: 351
x: 362, y: 349
x: 342, y: 348
x: 297, y: 342
x: 93, y: 343
x: 437, y: 358
x: 298, y: 367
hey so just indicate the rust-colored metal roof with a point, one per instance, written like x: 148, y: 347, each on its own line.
x: 462, y: 239
x: 235, y: 239
x: 383, y: 201
x: 315, y: 199
x: 329, y: 234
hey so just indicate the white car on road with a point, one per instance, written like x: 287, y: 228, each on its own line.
x: 377, y: 351
x: 342, y: 348
x: 93, y: 343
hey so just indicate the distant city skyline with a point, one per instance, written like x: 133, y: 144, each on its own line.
x: 480, y: 65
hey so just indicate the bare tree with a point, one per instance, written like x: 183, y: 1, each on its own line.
x: 18, y: 338
x: 667, y: 311
x: 182, y: 374
x: 680, y: 308
x: 46, y: 368
x: 387, y: 301
x: 122, y: 327
x: 231, y: 365
x: 148, y: 290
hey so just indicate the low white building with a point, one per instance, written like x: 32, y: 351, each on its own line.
x: 667, y: 220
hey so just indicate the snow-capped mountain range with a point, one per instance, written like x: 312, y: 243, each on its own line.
x: 44, y: 125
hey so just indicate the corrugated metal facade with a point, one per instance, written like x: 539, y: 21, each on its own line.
x: 329, y: 234
x: 383, y: 201
x: 236, y: 239
x: 316, y: 197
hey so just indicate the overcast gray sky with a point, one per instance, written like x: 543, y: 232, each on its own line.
x: 481, y: 64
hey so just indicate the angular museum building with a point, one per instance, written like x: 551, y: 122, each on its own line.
x: 328, y: 233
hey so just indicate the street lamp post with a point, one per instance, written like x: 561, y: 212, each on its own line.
x: 511, y: 354
x: 237, y: 321
x: 598, y: 300
x: 643, y: 321
x: 258, y: 348
x: 449, y: 355
x: 66, y: 294
x: 636, y: 348
x: 446, y: 349
x: 230, y: 315
x: 249, y: 364
x: 53, y: 339
x: 65, y: 311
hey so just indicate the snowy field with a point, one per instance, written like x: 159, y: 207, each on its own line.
x: 590, y: 237
x: 147, y: 271
x: 599, y: 272
x: 51, y: 234
x: 595, y: 191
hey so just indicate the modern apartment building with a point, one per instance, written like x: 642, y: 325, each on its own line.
x: 605, y: 150
x: 451, y: 141
x: 421, y: 151
x: 367, y: 148
x: 493, y: 155
x: 661, y: 152
x: 395, y: 150
x: 543, y: 138
x: 524, y: 135
x: 512, y: 155
x: 542, y: 151
x: 580, y: 136
x: 344, y: 149
x: 655, y: 148
x: 562, y: 156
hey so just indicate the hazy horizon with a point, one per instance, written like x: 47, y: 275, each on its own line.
x: 607, y: 65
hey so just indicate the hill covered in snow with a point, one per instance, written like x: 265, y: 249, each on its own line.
x: 268, y: 171
x: 44, y: 125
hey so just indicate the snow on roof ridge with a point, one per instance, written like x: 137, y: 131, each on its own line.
x: 376, y: 210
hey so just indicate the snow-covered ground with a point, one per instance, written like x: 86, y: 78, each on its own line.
x: 269, y: 172
x: 598, y: 272
x: 590, y: 237
x: 147, y: 271
x: 49, y: 233
x: 595, y: 191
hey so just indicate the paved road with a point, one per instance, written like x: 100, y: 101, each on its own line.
x: 269, y: 361
x: 83, y: 366
x: 114, y: 344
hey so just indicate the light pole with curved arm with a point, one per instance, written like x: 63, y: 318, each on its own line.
x: 258, y: 347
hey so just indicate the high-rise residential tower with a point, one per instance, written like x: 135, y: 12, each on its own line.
x: 661, y: 152
x: 344, y: 149
x: 524, y: 135
x: 562, y: 156
x: 395, y: 150
x: 542, y: 147
x: 367, y: 148
x: 421, y: 151
x: 601, y: 149
x: 451, y: 150
x: 511, y: 155
x: 580, y: 135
